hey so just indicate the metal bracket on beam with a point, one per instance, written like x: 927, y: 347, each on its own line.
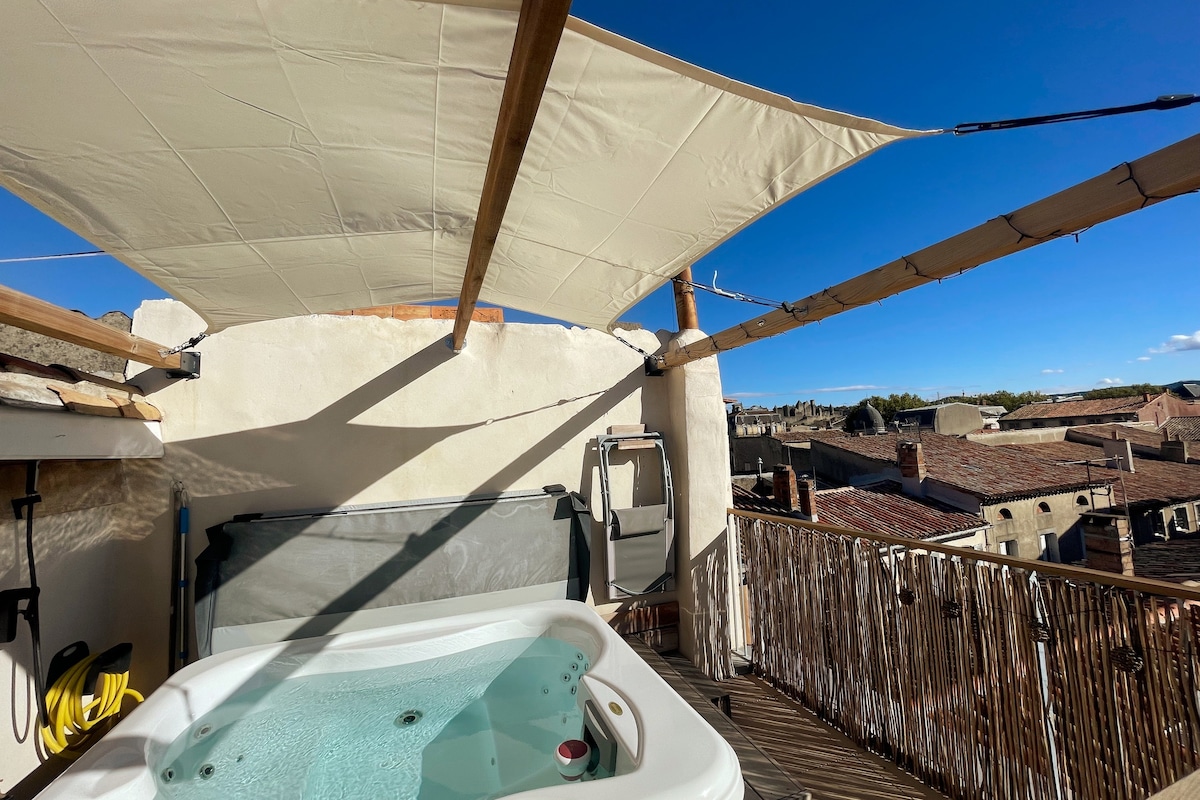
x: 189, y: 366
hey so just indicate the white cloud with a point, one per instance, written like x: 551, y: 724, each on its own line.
x: 1178, y: 343
x: 1143, y: 358
x: 1052, y: 372
x: 1109, y: 382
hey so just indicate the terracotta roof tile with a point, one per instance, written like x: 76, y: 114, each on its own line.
x: 1177, y: 560
x: 1152, y: 482
x: 1185, y: 428
x: 791, y: 437
x: 992, y: 474
x: 884, y: 508
x: 746, y: 500
x: 878, y: 508
x: 1142, y: 436
x: 1077, y: 408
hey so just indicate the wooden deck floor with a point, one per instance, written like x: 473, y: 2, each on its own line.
x: 815, y: 756
x: 822, y: 760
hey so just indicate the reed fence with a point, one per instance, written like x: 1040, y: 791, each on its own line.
x: 984, y: 675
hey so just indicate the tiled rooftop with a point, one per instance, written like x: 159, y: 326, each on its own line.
x: 878, y: 508
x: 790, y: 437
x: 992, y: 474
x: 746, y: 500
x: 1139, y: 436
x: 1176, y: 560
x: 1078, y: 408
x: 884, y: 508
x: 1185, y: 428
x: 1153, y: 480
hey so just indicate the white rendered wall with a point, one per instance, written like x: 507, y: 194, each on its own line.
x: 704, y: 488
x: 324, y: 411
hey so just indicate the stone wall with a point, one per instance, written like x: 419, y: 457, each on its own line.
x: 45, y: 350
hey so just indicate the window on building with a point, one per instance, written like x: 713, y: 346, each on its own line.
x: 1181, y: 520
x: 1082, y: 501
x: 1043, y: 508
x: 1009, y: 548
x: 1049, y: 546
x: 1005, y: 514
x: 1037, y: 423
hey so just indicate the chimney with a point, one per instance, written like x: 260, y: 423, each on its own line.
x: 1179, y: 451
x: 1108, y: 543
x: 1146, y: 397
x: 911, y: 461
x: 1119, y: 454
x: 785, y: 487
x: 808, y: 499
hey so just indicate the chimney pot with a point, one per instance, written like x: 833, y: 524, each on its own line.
x: 784, y: 486
x: 808, y: 499
x: 911, y: 460
x: 1146, y: 396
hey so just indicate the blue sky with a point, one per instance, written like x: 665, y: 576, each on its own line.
x: 1061, y: 316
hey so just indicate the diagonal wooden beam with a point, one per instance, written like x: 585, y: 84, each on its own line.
x: 539, y: 30
x: 31, y: 314
x: 1159, y: 176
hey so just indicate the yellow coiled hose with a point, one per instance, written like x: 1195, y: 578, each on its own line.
x: 71, y: 722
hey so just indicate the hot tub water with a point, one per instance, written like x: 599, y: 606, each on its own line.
x: 479, y: 723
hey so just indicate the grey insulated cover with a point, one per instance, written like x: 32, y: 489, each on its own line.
x: 316, y: 569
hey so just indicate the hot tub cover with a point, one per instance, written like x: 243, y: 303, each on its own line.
x: 267, y: 578
x: 264, y: 160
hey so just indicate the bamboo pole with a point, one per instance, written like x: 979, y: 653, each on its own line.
x: 1166, y: 173
x: 539, y: 29
x: 934, y: 662
x: 1147, y: 585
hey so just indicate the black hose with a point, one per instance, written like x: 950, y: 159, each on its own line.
x: 27, y: 504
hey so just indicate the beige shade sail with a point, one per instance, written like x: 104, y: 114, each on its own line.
x: 261, y: 160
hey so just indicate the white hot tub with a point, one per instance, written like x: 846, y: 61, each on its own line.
x: 459, y: 708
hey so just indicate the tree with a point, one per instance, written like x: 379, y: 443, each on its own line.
x: 888, y: 406
x: 1135, y: 390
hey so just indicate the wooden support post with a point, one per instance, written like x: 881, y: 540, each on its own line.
x: 685, y: 302
x: 539, y: 30
x: 31, y: 314
x: 1164, y: 174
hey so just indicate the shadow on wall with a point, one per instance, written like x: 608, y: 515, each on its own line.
x: 325, y: 460
x: 94, y: 543
x: 289, y: 466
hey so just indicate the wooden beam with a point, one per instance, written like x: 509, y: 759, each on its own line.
x: 685, y: 301
x: 31, y: 314
x: 1164, y: 174
x: 539, y: 30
